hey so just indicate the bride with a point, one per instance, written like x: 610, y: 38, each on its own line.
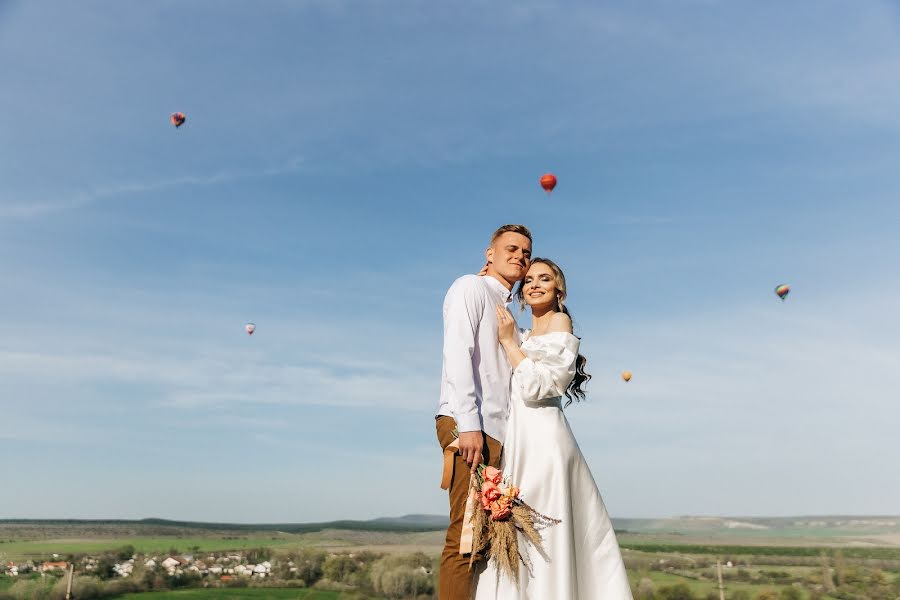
x: 581, y: 559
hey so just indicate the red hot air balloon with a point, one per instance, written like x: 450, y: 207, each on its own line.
x: 178, y: 119
x: 548, y: 182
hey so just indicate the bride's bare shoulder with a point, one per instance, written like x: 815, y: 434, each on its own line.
x: 560, y: 322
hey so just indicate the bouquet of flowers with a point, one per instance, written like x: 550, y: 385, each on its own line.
x: 495, y: 515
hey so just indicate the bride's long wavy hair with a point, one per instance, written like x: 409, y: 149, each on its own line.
x: 575, y: 391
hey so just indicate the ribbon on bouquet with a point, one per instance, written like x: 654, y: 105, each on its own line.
x: 468, y: 532
x: 449, y: 453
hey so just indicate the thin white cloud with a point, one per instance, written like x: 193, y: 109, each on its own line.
x: 221, y: 379
x: 762, y: 399
x: 37, y: 428
x: 111, y: 191
x: 757, y: 409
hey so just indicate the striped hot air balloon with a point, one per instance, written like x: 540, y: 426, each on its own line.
x: 782, y: 291
x: 178, y: 119
x: 250, y: 328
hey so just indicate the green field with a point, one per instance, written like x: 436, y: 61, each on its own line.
x: 700, y: 588
x: 757, y: 550
x: 18, y: 550
x: 770, y: 564
x: 36, y: 543
x: 225, y: 594
x: 237, y: 594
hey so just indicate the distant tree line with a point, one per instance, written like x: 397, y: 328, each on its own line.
x: 780, y: 551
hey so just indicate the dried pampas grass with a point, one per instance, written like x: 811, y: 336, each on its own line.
x: 501, y: 538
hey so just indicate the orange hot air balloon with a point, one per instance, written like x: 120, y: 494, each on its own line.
x: 178, y: 119
x: 548, y: 182
x: 626, y: 375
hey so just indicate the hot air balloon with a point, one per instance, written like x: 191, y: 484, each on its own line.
x: 548, y: 182
x: 250, y: 327
x: 626, y: 375
x: 178, y: 119
x: 783, y: 290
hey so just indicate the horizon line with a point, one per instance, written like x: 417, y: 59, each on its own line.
x: 8, y: 520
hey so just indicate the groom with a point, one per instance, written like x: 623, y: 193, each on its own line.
x: 475, y: 386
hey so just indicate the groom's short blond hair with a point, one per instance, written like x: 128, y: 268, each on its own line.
x: 521, y: 229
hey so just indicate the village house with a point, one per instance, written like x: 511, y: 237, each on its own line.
x: 49, y: 567
x: 215, y: 566
x: 175, y: 565
x: 243, y: 571
x: 124, y: 569
x: 90, y: 563
x: 23, y: 567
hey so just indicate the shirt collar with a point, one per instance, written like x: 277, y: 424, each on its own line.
x: 499, y: 288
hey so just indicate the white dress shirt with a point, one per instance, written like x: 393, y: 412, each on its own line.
x: 475, y: 378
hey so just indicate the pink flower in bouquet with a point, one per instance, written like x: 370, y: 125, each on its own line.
x: 501, y: 509
x: 489, y: 492
x: 493, y: 475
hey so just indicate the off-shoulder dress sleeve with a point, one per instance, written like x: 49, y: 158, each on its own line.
x: 548, y: 368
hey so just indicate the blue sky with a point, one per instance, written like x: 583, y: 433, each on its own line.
x: 343, y: 162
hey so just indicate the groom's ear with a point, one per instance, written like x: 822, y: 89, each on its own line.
x: 489, y: 254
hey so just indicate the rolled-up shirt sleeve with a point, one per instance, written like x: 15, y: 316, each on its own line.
x: 463, y: 308
x: 549, y: 368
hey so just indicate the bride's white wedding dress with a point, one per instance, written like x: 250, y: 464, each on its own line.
x: 541, y: 456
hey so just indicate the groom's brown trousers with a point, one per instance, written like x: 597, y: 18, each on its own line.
x: 456, y: 579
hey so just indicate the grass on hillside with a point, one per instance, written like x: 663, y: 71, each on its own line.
x: 237, y: 594
x: 16, y: 549
x: 701, y: 588
x: 20, y: 550
x: 218, y: 593
x: 727, y: 550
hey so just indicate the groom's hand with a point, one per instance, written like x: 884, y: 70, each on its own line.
x: 471, y: 444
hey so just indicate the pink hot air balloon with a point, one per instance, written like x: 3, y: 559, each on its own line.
x: 250, y: 327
